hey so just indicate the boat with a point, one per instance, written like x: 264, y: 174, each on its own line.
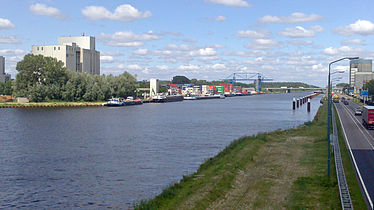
x: 209, y: 96
x: 190, y: 97
x: 131, y: 101
x: 164, y: 99
x: 115, y: 102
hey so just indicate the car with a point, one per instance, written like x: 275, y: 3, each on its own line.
x: 346, y: 103
x: 358, y: 111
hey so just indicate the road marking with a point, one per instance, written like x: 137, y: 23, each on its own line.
x: 354, y: 161
x: 363, y: 128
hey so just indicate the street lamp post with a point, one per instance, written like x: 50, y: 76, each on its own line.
x: 329, y: 112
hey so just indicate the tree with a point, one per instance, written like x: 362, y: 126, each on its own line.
x: 38, y: 73
x: 180, y: 80
x: 370, y: 87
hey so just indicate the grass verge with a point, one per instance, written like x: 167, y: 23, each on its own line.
x: 281, y: 169
x: 49, y: 104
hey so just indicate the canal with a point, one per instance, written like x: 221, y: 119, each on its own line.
x: 101, y: 157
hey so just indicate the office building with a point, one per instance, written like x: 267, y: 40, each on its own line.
x: 3, y: 76
x: 77, y: 53
x: 360, y: 72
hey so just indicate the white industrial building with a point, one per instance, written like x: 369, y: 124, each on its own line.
x: 3, y: 76
x: 360, y: 72
x: 77, y: 53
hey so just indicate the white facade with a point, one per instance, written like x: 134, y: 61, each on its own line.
x: 153, y: 87
x: 3, y: 76
x: 77, y: 53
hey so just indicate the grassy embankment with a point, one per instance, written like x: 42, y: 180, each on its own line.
x: 49, y: 104
x: 281, y: 169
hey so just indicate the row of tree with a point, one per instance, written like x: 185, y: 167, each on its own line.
x: 6, y: 88
x: 44, y: 78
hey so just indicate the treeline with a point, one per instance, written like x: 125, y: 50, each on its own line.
x: 6, y: 88
x: 44, y: 79
x: 286, y: 84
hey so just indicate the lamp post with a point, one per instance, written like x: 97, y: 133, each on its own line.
x: 329, y: 112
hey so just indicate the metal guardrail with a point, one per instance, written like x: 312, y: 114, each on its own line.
x: 345, y: 197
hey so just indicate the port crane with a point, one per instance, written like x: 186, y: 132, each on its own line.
x: 258, y: 78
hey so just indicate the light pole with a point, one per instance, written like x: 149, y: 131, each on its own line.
x: 329, y: 112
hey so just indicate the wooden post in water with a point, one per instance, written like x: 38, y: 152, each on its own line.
x: 294, y: 103
x: 297, y: 103
x: 308, y: 106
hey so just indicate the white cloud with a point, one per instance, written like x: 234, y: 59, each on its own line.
x: 263, y: 44
x: 203, y: 52
x: 360, y: 27
x: 296, y: 17
x: 344, y: 50
x: 217, y: 46
x: 182, y: 47
x: 188, y: 67
x: 300, y: 42
x: 253, y: 34
x: 9, y: 52
x: 129, y: 67
x: 141, y: 51
x: 8, y: 40
x: 353, y: 42
x: 300, y: 32
x: 5, y: 24
x: 127, y: 38
x: 42, y: 9
x: 134, y: 67
x: 220, y: 18
x: 218, y: 66
x: 232, y: 3
x: 162, y: 67
x: 124, y: 12
x: 106, y: 59
x: 115, y: 53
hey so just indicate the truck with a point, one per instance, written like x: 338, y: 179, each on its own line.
x: 368, y: 117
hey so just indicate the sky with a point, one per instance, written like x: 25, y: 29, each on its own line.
x: 285, y: 40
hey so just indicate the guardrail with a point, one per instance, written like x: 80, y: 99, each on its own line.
x: 345, y: 197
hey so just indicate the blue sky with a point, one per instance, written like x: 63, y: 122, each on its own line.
x: 290, y: 40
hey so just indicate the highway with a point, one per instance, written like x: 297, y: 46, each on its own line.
x: 360, y: 142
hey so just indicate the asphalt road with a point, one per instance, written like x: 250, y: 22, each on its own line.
x: 360, y: 143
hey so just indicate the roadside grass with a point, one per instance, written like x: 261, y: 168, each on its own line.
x: 350, y: 174
x: 49, y: 104
x: 294, y: 181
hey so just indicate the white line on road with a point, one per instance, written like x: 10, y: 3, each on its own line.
x: 354, y: 162
x: 358, y: 124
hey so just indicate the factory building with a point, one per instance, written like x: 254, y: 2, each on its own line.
x: 77, y: 53
x: 3, y: 76
x: 360, y: 72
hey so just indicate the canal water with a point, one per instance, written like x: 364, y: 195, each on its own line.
x: 102, y: 157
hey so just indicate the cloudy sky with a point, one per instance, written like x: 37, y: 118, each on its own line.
x: 287, y: 40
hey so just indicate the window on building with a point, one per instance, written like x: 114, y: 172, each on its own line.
x: 42, y: 48
x: 54, y: 48
x: 58, y: 48
x: 37, y: 48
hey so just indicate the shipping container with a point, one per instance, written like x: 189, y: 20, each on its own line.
x: 220, y: 88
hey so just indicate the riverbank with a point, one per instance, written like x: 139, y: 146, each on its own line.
x: 281, y: 169
x: 49, y: 104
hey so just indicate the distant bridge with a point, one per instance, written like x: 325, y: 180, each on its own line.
x: 290, y: 89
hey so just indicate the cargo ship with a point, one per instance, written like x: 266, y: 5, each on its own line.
x: 209, y: 96
x: 165, y: 99
x: 113, y: 102
x: 130, y: 101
